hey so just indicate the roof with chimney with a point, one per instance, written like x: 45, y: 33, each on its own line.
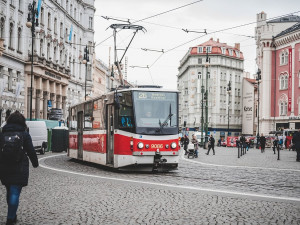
x: 216, y: 48
x: 289, y: 30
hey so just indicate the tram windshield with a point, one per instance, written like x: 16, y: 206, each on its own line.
x: 155, y: 112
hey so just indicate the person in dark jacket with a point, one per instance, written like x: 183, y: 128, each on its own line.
x: 262, y: 143
x: 186, y: 142
x: 211, y: 144
x: 275, y: 144
x: 296, y: 142
x: 14, y: 176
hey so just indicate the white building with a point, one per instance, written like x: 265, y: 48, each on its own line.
x: 226, y: 65
x: 58, y: 72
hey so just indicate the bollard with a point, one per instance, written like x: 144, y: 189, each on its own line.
x: 238, y: 151
x: 278, y: 154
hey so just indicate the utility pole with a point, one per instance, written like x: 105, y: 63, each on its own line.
x: 258, y: 78
x: 206, y: 99
x: 228, y: 91
x: 85, y: 61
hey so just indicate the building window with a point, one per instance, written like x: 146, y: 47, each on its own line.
x: 283, y: 82
x: 223, y: 49
x: 199, y: 60
x: 75, y: 12
x: 80, y: 18
x: 71, y: 10
x: 237, y: 53
x: 55, y: 25
x: 61, y: 30
x: 199, y: 75
x: 19, y: 39
x: 10, y: 78
x: 283, y: 108
x: 66, y: 58
x: 230, y: 52
x: 73, y: 67
x: 11, y: 27
x: 66, y: 35
x: 67, y: 5
x: 41, y: 47
x: 54, y: 55
x: 49, y: 21
x: 186, y: 91
x: 208, y: 49
x: 200, y: 49
x: 90, y: 22
x: 61, y: 57
x: 208, y: 74
x: 12, y: 2
x: 42, y: 15
x: 286, y: 57
x: 20, y: 4
x: 2, y: 25
x: 48, y: 51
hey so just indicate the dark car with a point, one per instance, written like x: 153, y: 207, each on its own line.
x: 55, y: 114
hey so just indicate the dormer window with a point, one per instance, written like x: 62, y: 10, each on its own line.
x: 230, y: 52
x: 200, y: 49
x: 223, y: 49
x: 208, y: 49
x: 237, y: 53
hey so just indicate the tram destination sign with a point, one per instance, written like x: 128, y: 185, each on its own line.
x: 52, y: 75
x: 152, y: 96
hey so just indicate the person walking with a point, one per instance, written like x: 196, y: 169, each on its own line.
x: 15, y: 148
x: 196, y: 145
x: 211, y: 145
x: 242, y: 143
x: 262, y: 143
x: 186, y: 142
x: 275, y: 144
x: 296, y: 142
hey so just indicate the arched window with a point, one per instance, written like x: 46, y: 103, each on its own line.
x: 11, y: 29
x: 2, y: 25
x: 282, y: 58
x: 283, y: 105
x: 71, y: 10
x: 49, y: 20
x: 286, y: 57
x: 19, y: 39
x: 41, y: 47
x: 286, y: 80
x: 61, y: 57
x: 61, y: 30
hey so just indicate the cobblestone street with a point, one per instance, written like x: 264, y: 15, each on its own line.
x: 255, y: 189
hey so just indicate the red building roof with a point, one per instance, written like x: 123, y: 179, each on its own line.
x: 217, y: 49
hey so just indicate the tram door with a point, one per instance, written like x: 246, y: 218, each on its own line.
x: 110, y: 134
x: 80, y: 134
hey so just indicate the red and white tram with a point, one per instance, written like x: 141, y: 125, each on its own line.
x: 134, y: 128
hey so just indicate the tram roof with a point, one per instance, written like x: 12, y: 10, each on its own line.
x: 129, y: 89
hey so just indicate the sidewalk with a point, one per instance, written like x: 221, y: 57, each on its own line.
x: 254, y: 158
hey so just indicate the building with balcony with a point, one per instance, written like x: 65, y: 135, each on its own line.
x: 226, y: 65
x: 278, y: 58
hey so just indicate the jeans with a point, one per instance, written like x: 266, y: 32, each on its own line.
x: 12, y: 198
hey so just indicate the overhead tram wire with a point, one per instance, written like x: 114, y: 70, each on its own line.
x: 218, y: 31
x: 154, y: 16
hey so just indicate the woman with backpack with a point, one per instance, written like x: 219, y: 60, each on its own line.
x: 15, y: 148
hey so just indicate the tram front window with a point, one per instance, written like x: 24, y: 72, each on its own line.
x: 155, y: 112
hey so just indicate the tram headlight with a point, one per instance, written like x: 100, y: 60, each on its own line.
x: 167, y: 146
x: 173, y: 145
x: 147, y: 146
x: 140, y: 145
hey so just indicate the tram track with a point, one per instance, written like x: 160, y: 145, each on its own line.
x: 188, y: 182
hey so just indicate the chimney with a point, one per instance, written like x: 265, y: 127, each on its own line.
x: 217, y: 40
x: 237, y: 45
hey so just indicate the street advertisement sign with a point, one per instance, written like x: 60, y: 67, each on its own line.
x: 290, y: 82
x: 248, y: 107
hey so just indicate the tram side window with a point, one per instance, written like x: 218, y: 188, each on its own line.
x: 88, y: 115
x: 73, y: 119
x: 125, y: 115
x: 98, y: 115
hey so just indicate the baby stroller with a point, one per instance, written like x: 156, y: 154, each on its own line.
x: 191, y: 151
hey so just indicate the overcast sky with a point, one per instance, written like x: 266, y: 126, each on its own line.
x: 165, y: 32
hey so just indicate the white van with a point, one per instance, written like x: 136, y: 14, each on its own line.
x: 39, y: 135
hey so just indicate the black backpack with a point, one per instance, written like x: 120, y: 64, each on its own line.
x: 12, y: 150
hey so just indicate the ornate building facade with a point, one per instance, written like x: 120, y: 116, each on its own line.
x: 278, y: 58
x: 65, y: 28
x: 226, y: 65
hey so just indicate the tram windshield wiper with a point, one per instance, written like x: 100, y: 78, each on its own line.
x: 165, y: 123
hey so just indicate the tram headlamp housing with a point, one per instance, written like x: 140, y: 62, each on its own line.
x: 140, y: 145
x: 147, y: 146
x: 173, y: 145
x: 167, y: 146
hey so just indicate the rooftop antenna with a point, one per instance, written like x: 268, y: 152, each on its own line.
x: 123, y: 27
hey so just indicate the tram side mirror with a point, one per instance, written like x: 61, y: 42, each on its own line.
x: 117, y: 99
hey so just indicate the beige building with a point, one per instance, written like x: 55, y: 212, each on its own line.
x: 100, y: 74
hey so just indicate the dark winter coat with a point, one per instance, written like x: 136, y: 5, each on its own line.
x: 211, y: 142
x: 17, y: 174
x: 262, y: 142
x: 186, y: 142
x: 296, y: 140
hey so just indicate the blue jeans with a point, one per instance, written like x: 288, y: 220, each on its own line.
x: 12, y: 198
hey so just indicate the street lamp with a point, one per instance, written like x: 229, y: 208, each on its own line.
x: 228, y: 91
x: 258, y: 78
x: 206, y: 99
x: 32, y: 23
x: 85, y: 61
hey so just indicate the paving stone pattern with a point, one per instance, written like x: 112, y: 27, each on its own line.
x: 61, y: 198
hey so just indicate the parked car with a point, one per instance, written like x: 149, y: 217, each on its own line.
x: 39, y: 135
